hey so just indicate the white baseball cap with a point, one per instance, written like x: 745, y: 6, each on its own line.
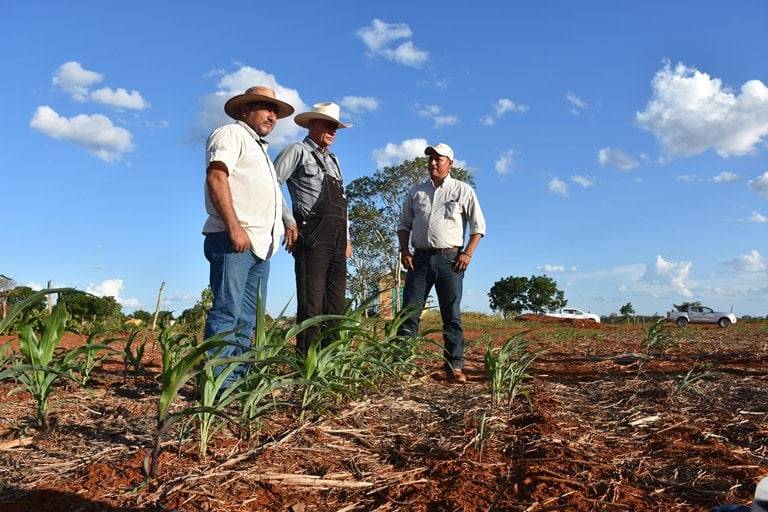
x: 440, y: 149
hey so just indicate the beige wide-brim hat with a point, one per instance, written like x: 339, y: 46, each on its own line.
x: 257, y: 93
x: 326, y: 110
x: 440, y: 149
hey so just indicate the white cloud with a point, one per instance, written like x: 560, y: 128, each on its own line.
x: 500, y: 108
x: 73, y: 79
x: 669, y: 274
x: 120, y: 98
x: 578, y: 103
x: 377, y: 38
x: 558, y: 186
x: 726, y: 177
x: 232, y: 84
x: 436, y: 114
x: 393, y: 154
x: 616, y: 158
x: 758, y: 218
x: 583, y: 181
x: 505, y: 162
x: 406, y: 54
x: 359, y: 104
x: 35, y: 286
x: 95, y: 133
x: 112, y: 288
x: 760, y: 184
x: 750, y: 262
x: 556, y: 268
x: 691, y: 112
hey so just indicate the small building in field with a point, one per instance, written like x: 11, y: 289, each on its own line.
x: 386, y: 302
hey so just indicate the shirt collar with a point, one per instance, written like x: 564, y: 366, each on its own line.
x: 252, y: 133
x: 447, y: 181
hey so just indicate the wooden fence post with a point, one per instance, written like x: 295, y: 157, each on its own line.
x: 157, y: 306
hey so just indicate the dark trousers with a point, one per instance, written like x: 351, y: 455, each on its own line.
x: 437, y: 270
x: 321, y: 274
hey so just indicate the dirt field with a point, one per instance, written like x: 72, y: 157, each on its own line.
x: 609, y: 428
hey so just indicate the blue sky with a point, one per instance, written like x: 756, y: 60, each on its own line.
x: 618, y: 147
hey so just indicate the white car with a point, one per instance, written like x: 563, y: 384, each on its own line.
x: 574, y: 313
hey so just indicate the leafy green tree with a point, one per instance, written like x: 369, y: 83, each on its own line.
x: 20, y: 293
x: 89, y: 307
x: 509, y: 295
x: 193, y: 318
x: 627, y: 310
x: 375, y: 204
x: 513, y: 295
x: 144, y: 316
x: 544, y: 295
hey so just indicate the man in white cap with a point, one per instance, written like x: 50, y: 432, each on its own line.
x: 435, y: 217
x: 244, y: 205
x: 316, y: 229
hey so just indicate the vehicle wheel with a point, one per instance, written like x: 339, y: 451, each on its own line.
x: 681, y: 322
x: 724, y: 322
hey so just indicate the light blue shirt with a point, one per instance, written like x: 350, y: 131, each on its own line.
x: 296, y: 166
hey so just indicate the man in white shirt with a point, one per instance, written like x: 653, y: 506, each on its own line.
x: 435, y: 217
x: 244, y: 205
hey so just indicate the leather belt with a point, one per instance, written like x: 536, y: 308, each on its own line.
x: 431, y: 252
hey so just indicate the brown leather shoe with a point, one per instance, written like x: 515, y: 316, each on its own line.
x: 456, y: 375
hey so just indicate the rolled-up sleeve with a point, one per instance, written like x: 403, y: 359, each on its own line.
x: 475, y: 218
x: 406, y: 215
x: 223, y: 146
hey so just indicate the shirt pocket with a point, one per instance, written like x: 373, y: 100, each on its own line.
x: 422, y: 204
x: 452, y: 209
x: 310, y: 168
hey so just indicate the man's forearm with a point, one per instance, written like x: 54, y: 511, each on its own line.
x: 404, y: 237
x: 218, y: 187
x: 472, y: 244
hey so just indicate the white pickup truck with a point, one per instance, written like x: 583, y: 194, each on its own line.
x: 575, y: 314
x: 698, y: 314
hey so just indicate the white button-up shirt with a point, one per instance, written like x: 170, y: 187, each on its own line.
x: 256, y: 196
x: 438, y: 217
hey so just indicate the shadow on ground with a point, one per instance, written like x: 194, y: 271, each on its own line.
x: 39, y: 500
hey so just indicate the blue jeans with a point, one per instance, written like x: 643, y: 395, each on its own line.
x: 437, y: 270
x: 237, y: 279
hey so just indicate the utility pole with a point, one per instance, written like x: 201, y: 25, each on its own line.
x: 157, y: 306
x: 49, y: 299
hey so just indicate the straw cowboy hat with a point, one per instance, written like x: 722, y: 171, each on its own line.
x: 257, y: 93
x: 325, y: 110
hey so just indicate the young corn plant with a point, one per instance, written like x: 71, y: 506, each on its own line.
x: 258, y: 396
x: 216, y: 390
x: 132, y: 359
x: 181, y: 362
x: 691, y: 382
x: 507, y: 369
x: 40, y: 365
x: 87, y: 356
x: 658, y: 338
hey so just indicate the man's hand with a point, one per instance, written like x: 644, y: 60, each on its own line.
x: 462, y: 262
x: 239, y: 239
x: 291, y: 235
x: 406, y: 258
x: 349, y: 249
